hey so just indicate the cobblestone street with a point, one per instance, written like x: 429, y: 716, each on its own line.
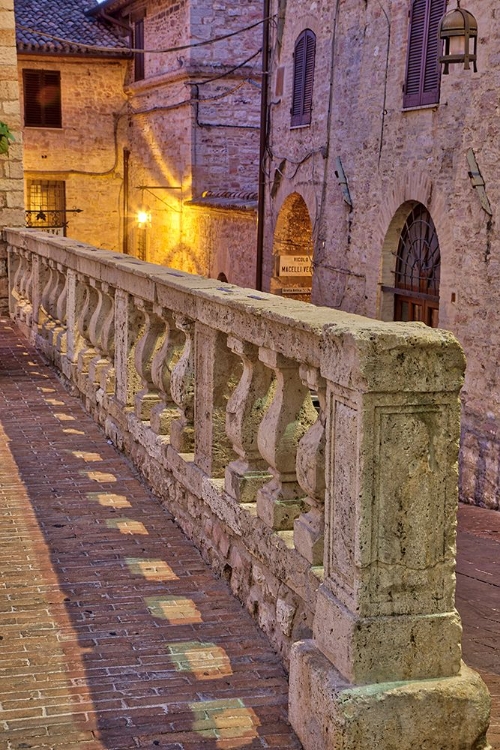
x: 114, y: 634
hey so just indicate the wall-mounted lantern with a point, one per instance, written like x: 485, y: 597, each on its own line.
x: 458, y: 29
x: 143, y: 217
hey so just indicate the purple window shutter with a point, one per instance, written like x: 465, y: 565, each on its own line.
x: 423, y: 74
x: 139, y: 67
x: 431, y: 82
x: 303, y: 78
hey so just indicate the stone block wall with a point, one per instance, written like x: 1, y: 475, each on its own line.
x: 11, y: 164
x: 392, y: 159
x: 230, y: 239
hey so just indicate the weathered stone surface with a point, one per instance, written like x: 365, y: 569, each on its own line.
x: 328, y: 713
x: 378, y: 461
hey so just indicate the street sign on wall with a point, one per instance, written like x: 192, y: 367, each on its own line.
x: 295, y: 265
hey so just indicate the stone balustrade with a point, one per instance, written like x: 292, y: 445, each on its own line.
x: 311, y: 455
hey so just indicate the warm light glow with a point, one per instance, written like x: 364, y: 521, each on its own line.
x: 143, y: 217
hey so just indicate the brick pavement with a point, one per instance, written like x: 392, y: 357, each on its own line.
x: 478, y: 600
x: 113, y: 632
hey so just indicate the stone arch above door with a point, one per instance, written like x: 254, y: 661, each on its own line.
x: 411, y: 265
x: 293, y: 250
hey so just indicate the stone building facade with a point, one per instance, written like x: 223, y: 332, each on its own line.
x: 193, y: 132
x: 73, y: 106
x: 147, y: 143
x: 373, y: 165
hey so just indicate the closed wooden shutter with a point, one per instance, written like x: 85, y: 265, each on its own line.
x: 42, y: 98
x: 423, y: 74
x: 139, y: 68
x: 303, y: 78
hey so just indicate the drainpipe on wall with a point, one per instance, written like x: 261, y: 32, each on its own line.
x: 263, y: 146
x: 126, y: 157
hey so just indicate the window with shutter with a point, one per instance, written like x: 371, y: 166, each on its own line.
x: 139, y: 68
x: 42, y: 98
x: 303, y: 78
x: 423, y: 73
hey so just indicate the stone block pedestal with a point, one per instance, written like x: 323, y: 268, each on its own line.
x: 329, y: 713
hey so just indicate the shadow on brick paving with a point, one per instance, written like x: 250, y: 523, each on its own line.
x: 114, y: 632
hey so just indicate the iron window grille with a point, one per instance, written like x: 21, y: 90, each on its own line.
x: 46, y: 201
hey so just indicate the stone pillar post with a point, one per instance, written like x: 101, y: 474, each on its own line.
x: 386, y: 639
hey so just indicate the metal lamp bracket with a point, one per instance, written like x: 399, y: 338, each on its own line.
x: 478, y: 182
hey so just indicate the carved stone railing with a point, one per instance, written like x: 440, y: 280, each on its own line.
x: 312, y: 456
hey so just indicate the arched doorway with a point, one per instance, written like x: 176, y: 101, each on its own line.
x: 293, y: 250
x: 417, y: 270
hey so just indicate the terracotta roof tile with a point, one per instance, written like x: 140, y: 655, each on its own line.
x: 66, y: 19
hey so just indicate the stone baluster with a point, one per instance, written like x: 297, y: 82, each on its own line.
x: 150, y: 341
x: 182, y: 390
x: 129, y: 322
x: 107, y: 342
x: 21, y: 282
x: 288, y: 417
x: 386, y: 635
x: 162, y: 364
x: 217, y: 373
x: 21, y: 265
x: 309, y: 528
x: 245, y: 410
x: 17, y: 266
x: 98, y: 319
x: 27, y: 288
x: 61, y: 331
x: 87, y: 302
x: 47, y: 278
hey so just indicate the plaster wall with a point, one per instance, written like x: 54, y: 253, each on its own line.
x: 393, y: 158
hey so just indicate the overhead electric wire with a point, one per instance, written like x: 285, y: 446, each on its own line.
x: 179, y: 48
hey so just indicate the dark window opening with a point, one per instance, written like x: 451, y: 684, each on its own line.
x: 418, y: 263
x: 303, y: 78
x: 423, y: 72
x: 42, y: 98
x: 46, y: 205
x: 139, y: 67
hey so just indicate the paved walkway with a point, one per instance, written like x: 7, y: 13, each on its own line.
x: 113, y: 632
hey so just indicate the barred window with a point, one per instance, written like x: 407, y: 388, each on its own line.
x: 46, y: 205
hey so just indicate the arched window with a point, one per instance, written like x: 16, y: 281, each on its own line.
x: 423, y: 72
x: 303, y: 78
x: 416, y: 292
